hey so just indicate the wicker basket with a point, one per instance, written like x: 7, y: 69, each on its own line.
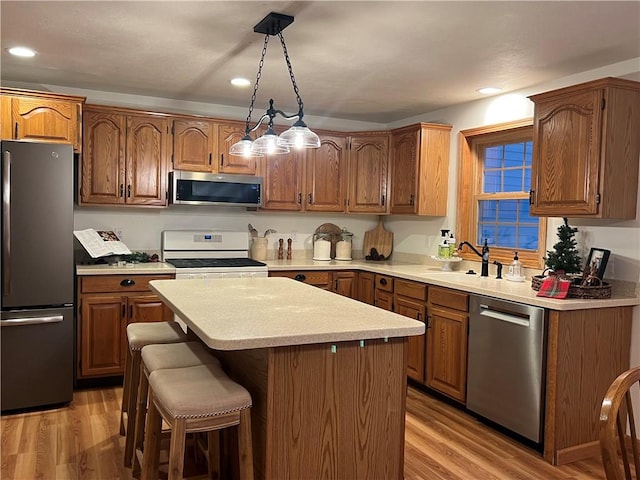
x: 576, y: 290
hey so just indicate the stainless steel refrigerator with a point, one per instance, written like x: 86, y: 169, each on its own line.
x: 36, y: 322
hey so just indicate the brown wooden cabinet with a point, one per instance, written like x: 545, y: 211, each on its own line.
x: 368, y: 173
x: 230, y: 133
x: 585, y: 150
x: 125, y: 158
x: 383, y: 296
x: 410, y: 300
x: 344, y: 283
x: 317, y: 278
x: 41, y: 117
x: 195, y: 145
x: 420, y: 169
x: 366, y: 287
x: 447, y: 329
x: 106, y: 305
x: 282, y: 182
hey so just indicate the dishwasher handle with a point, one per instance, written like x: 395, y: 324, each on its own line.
x: 17, y: 322
x: 504, y: 317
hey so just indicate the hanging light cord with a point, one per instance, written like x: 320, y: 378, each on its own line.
x: 293, y: 79
x: 255, y: 86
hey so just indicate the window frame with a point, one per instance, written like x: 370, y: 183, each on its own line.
x: 470, y: 190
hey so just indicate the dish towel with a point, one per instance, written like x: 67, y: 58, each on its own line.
x: 555, y: 287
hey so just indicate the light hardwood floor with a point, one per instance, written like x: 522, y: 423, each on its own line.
x: 82, y: 442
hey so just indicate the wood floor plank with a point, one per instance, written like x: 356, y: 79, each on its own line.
x: 82, y: 442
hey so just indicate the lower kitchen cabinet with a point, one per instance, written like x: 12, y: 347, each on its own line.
x: 106, y: 305
x: 344, y: 283
x: 446, y: 352
x: 410, y: 301
x: 366, y: 287
x: 383, y: 293
x: 317, y: 278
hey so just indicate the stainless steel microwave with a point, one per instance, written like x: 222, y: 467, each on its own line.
x: 197, y: 188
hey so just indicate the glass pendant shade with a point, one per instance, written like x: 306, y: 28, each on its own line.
x: 268, y: 144
x: 299, y: 136
x: 243, y: 148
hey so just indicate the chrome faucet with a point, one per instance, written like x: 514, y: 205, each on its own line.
x: 484, y: 255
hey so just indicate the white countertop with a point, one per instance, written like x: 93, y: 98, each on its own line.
x: 243, y: 313
x: 503, y: 289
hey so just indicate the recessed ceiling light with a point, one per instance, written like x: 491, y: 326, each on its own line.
x: 240, y: 82
x: 21, y: 51
x: 489, y: 90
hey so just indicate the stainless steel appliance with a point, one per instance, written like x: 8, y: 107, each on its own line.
x: 505, y: 382
x: 210, y: 254
x: 198, y: 188
x: 36, y: 323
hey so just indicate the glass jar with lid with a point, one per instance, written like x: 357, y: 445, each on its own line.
x: 322, y: 246
x: 343, y: 245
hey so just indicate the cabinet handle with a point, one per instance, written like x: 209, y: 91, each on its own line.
x: 210, y: 157
x: 383, y: 200
x: 130, y: 311
x: 383, y: 281
x: 310, y: 199
x: 335, y: 284
x: 301, y: 277
x: 15, y: 134
x: 122, y: 189
x: 127, y: 282
x: 428, y: 321
x: 299, y: 198
x: 222, y: 159
x: 531, y: 192
x: 129, y: 191
x: 124, y: 310
x: 418, y: 316
x: 411, y: 199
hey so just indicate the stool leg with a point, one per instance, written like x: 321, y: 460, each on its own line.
x: 245, y: 449
x: 125, y: 390
x: 152, y: 434
x: 141, y: 415
x: 134, y: 385
x: 176, y: 449
x: 213, y: 454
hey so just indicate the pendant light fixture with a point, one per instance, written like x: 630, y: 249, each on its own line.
x: 299, y: 135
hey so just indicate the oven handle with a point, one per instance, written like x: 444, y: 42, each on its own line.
x: 504, y: 317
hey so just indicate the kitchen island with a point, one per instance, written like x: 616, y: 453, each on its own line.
x: 327, y: 374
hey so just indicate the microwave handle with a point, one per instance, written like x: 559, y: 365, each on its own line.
x: 6, y: 222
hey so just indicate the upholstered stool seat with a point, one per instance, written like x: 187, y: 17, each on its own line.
x: 138, y: 336
x: 195, y: 399
x: 158, y: 357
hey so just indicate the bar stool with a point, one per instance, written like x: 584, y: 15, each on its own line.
x: 139, y: 335
x: 158, y: 357
x: 195, y: 399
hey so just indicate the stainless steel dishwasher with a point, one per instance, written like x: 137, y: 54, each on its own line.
x: 505, y: 382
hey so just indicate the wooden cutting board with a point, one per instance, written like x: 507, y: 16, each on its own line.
x: 380, y: 239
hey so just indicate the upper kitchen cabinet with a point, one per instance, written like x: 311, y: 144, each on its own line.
x: 311, y: 180
x: 420, y: 169
x: 368, y: 173
x: 126, y: 156
x: 230, y: 133
x: 41, y: 117
x: 195, y: 145
x: 585, y: 150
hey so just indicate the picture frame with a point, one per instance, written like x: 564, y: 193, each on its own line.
x: 596, y: 263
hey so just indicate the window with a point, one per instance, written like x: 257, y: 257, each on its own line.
x: 493, y: 193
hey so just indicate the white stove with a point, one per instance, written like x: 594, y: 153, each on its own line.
x: 210, y: 254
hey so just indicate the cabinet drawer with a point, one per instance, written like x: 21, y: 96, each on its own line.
x: 118, y: 283
x: 384, y: 282
x: 449, y: 298
x: 411, y: 289
x: 312, y: 277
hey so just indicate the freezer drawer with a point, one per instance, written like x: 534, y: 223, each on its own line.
x: 37, y: 357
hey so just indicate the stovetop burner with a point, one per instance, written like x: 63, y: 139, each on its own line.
x: 214, y: 262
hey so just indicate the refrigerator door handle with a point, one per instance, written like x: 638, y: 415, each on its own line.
x: 6, y: 222
x: 17, y: 322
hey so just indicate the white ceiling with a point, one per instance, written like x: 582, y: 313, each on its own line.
x: 363, y: 60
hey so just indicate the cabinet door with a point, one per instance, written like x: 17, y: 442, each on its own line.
x: 404, y: 164
x: 368, y: 165
x: 103, y: 159
x: 229, y: 134
x: 6, y: 125
x: 326, y: 175
x: 384, y: 300
x: 566, y: 156
x: 366, y: 287
x: 47, y: 120
x: 447, y: 352
x: 102, y: 330
x: 148, y: 308
x: 147, y: 159
x: 416, y: 344
x: 344, y: 283
x: 194, y: 145
x: 282, y: 178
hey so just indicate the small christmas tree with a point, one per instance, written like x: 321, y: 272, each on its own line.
x: 565, y: 256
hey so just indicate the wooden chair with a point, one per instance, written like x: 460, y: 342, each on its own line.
x: 616, y: 418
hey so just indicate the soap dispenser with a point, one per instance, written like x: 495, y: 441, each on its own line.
x: 515, y: 270
x: 443, y: 247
